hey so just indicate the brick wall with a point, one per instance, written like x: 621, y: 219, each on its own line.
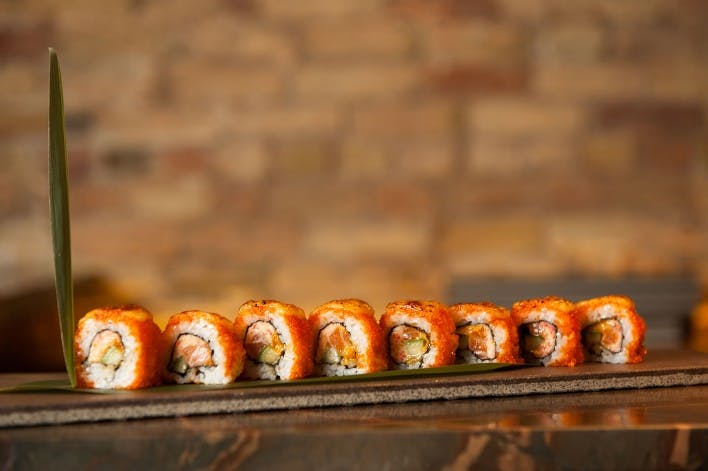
x: 228, y: 149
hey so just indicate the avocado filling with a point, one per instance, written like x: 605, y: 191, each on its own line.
x: 262, y: 343
x: 478, y: 339
x: 537, y: 339
x: 335, y: 346
x: 408, y: 345
x: 190, y: 351
x: 107, y: 349
x: 603, y: 335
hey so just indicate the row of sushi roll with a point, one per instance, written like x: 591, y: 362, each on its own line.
x: 123, y: 348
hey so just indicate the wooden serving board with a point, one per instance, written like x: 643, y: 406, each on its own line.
x: 661, y: 368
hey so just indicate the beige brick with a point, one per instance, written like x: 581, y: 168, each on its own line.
x: 680, y: 82
x: 467, y: 79
x: 395, y: 159
x: 241, y: 160
x: 366, y: 38
x: 360, y: 160
x: 25, y: 252
x: 182, y: 200
x: 22, y: 82
x: 618, y: 244
x: 526, y: 12
x: 301, y: 158
x: 122, y: 82
x: 354, y: 82
x: 304, y: 120
x: 514, y: 137
x: 508, y: 156
x: 570, y: 43
x: 156, y: 128
x: 233, y: 39
x: 481, y: 42
x: 200, y: 83
x: 636, y: 13
x: 527, y: 117
x: 420, y: 119
x: 355, y: 239
x: 317, y: 8
x: 612, y: 152
x: 515, y: 234
x: 432, y: 13
x: 503, y: 264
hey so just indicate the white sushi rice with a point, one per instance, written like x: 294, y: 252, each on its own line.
x: 399, y: 318
x: 499, y: 335
x: 105, y: 376
x: 255, y: 370
x: 608, y: 311
x: 357, y: 336
x: 216, y: 374
x: 561, y: 341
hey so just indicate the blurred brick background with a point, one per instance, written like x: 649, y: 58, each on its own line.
x: 228, y: 149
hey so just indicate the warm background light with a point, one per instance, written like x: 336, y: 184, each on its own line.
x: 235, y: 149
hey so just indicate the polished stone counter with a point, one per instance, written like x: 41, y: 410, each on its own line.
x: 661, y: 428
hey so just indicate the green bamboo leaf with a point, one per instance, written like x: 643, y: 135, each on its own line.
x: 392, y: 375
x: 59, y: 214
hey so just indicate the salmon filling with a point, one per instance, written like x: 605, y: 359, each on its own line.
x: 335, y: 346
x: 107, y: 348
x: 190, y: 351
x: 263, y: 344
x: 408, y: 345
x: 605, y: 334
x: 538, y: 339
x: 478, y: 339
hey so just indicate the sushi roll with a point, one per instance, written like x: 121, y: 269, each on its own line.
x: 117, y: 348
x: 421, y: 334
x: 612, y: 331
x: 549, y: 332
x: 487, y: 333
x: 201, y: 348
x: 348, y: 339
x: 277, y: 340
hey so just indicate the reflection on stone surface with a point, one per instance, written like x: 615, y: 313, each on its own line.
x: 663, y: 428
